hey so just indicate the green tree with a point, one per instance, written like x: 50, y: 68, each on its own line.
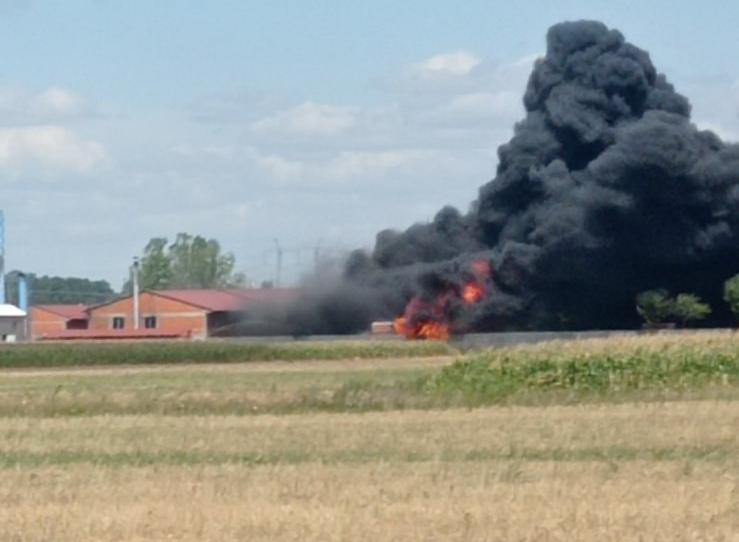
x: 655, y: 306
x: 189, y: 262
x: 687, y: 307
x: 156, y: 266
x: 731, y: 294
x: 197, y: 262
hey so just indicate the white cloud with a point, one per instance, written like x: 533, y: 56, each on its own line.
x: 456, y: 64
x: 345, y: 167
x: 501, y: 103
x: 237, y: 106
x: 308, y: 118
x: 475, y: 109
x: 457, y: 73
x: 247, y: 168
x: 57, y: 101
x: 352, y: 164
x: 48, y: 146
x: 281, y: 169
x: 20, y: 107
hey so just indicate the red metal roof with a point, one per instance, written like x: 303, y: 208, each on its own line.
x: 210, y: 300
x: 70, y: 312
x: 233, y: 300
x: 268, y: 295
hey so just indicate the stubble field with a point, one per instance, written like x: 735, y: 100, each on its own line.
x: 302, y: 451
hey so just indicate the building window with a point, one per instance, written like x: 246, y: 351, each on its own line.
x: 150, y: 322
x: 119, y: 322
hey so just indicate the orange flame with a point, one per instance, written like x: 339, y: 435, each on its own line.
x: 400, y: 325
x: 473, y: 292
x: 433, y: 330
x: 432, y: 319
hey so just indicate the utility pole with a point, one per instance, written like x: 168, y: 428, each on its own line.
x: 135, y: 281
x: 278, y: 275
x: 2, y: 257
x: 317, y: 255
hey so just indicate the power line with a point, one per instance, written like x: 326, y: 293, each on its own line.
x: 278, y: 276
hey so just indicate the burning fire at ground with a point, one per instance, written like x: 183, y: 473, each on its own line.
x: 434, y: 319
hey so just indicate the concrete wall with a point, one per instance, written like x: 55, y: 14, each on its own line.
x: 484, y: 340
x: 487, y: 340
x: 12, y: 328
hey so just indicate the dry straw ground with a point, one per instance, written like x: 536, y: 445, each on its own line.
x: 595, y: 471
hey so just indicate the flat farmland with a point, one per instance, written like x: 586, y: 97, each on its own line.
x: 327, y: 450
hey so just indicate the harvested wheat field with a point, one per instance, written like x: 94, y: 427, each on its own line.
x: 79, y: 460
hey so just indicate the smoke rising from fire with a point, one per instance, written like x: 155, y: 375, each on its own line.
x: 606, y: 189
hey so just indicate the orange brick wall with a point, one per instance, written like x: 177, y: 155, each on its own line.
x: 44, y: 323
x: 171, y: 315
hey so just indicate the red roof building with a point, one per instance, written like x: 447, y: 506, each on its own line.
x: 53, y: 319
x: 197, y: 313
x: 188, y: 313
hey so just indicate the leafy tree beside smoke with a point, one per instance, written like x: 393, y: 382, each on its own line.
x: 687, y: 307
x: 657, y: 307
x: 731, y: 294
x: 189, y: 262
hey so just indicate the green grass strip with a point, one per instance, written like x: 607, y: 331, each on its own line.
x: 18, y: 459
x: 87, y: 354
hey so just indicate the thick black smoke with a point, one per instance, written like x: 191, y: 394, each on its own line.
x: 606, y: 189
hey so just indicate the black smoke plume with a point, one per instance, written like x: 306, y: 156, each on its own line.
x: 606, y: 189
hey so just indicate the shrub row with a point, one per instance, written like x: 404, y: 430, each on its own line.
x: 85, y: 354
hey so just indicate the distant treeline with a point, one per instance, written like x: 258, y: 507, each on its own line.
x: 53, y: 290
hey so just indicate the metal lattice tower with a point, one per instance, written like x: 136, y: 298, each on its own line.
x: 2, y: 257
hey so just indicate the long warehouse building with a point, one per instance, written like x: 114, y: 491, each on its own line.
x: 198, y: 313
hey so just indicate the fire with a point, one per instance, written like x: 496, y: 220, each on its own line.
x: 434, y: 331
x: 430, y: 330
x: 473, y: 292
x: 432, y: 320
x: 400, y: 326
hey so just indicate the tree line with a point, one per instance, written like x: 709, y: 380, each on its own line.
x: 49, y: 290
x: 657, y: 308
x: 190, y: 261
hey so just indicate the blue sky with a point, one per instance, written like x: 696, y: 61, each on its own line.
x: 315, y: 122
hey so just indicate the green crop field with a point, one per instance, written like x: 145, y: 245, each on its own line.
x: 615, y: 439
x: 595, y: 369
